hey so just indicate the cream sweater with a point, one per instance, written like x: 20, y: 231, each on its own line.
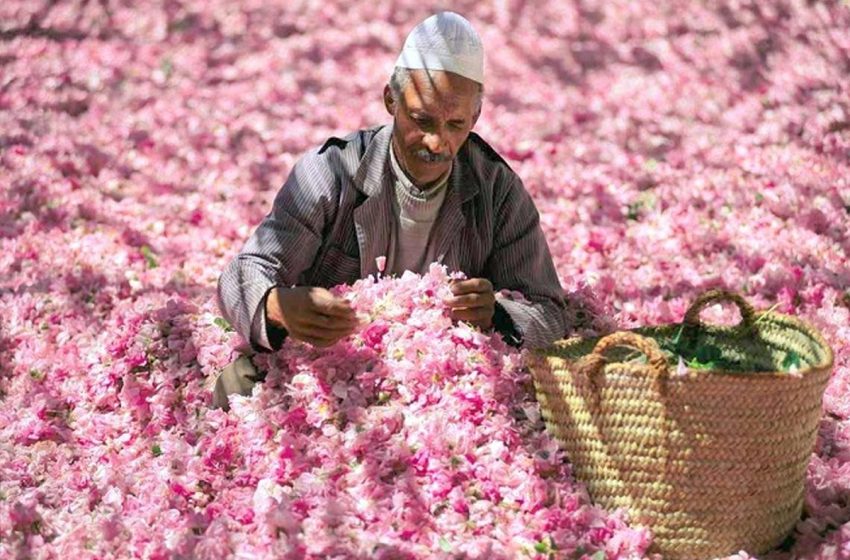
x: 415, y: 211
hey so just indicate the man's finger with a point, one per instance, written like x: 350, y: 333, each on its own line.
x: 337, y: 308
x: 472, y: 315
x: 323, y: 326
x: 303, y: 336
x: 305, y: 331
x: 319, y: 338
x: 330, y: 305
x: 318, y: 342
x: 473, y: 285
x: 472, y: 300
x: 330, y: 322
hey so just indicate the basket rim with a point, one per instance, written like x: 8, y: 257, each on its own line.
x: 553, y: 351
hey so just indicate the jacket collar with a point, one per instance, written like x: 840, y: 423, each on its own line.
x: 374, y: 165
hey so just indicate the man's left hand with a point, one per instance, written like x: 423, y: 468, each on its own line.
x: 473, y: 302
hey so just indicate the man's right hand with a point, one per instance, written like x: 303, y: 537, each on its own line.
x: 311, y: 315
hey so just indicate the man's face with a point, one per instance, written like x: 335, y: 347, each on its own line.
x: 432, y: 119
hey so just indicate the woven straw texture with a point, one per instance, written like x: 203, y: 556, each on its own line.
x: 712, y: 460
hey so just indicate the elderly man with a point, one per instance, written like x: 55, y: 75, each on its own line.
x: 426, y: 189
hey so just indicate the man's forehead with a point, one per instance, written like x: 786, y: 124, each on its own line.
x: 437, y: 86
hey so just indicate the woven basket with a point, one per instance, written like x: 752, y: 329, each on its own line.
x: 712, y: 460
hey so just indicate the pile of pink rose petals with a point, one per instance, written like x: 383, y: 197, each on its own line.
x: 670, y: 147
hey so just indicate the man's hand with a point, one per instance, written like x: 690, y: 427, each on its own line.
x: 312, y: 315
x: 473, y: 302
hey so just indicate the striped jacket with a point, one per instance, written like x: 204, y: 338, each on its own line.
x: 334, y: 216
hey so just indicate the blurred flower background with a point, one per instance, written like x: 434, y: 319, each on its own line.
x: 670, y: 147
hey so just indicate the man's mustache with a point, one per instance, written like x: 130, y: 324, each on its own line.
x: 430, y: 157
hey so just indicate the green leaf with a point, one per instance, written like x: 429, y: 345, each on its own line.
x: 640, y: 359
x: 672, y: 345
x: 445, y: 545
x: 541, y: 547
x: 598, y: 555
x: 791, y: 362
x: 679, y: 334
x: 633, y: 210
x: 156, y: 450
x: 149, y: 256
x: 696, y: 364
x: 707, y: 353
x: 223, y: 324
x: 167, y: 67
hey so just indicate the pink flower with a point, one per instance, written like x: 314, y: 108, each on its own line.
x: 374, y: 334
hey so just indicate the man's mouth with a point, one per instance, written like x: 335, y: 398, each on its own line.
x: 428, y: 157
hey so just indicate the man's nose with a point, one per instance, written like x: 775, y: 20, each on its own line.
x: 435, y: 142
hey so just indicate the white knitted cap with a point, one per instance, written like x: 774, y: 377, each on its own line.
x: 444, y: 41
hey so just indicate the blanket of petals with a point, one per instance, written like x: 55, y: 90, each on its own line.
x: 671, y: 147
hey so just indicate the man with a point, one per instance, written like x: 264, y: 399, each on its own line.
x: 426, y: 189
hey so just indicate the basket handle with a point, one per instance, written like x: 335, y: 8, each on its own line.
x: 595, y: 360
x: 718, y: 296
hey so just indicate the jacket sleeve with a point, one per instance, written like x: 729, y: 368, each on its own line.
x: 282, y: 247
x: 521, y: 261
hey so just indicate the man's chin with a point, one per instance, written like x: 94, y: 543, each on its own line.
x: 429, y: 172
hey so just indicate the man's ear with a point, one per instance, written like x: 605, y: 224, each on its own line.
x: 389, y: 101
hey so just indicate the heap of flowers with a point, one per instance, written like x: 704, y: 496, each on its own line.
x: 415, y: 437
